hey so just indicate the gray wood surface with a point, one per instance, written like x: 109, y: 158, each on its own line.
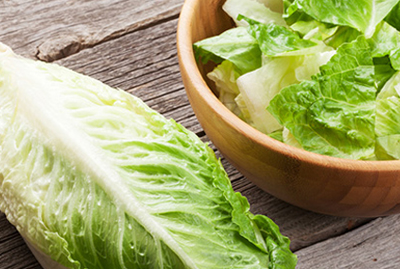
x: 131, y: 45
x: 54, y: 29
x: 373, y: 245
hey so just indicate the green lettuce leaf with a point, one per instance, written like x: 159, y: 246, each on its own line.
x: 383, y: 73
x: 292, y: 13
x: 387, y: 128
x: 277, y: 135
x: 275, y: 40
x: 333, y: 35
x: 363, y: 15
x: 343, y: 34
x: 386, y: 42
x: 393, y: 18
x: 288, y: 138
x: 253, y: 10
x: 259, y: 87
x: 274, y: 5
x: 314, y: 30
x: 391, y: 88
x: 333, y: 114
x: 225, y: 76
x: 94, y: 178
x: 235, y: 45
x: 387, y: 120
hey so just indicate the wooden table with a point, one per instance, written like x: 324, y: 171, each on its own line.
x: 130, y: 44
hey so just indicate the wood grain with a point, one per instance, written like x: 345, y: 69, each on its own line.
x: 374, y: 245
x: 14, y: 253
x: 52, y: 30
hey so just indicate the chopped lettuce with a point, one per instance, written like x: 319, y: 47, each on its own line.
x: 303, y: 96
x: 235, y: 45
x: 277, y: 135
x: 343, y: 34
x: 387, y: 128
x: 253, y: 10
x: 225, y: 76
x: 386, y: 42
x: 93, y: 178
x: 314, y: 29
x: 289, y: 139
x: 393, y: 18
x: 260, y: 86
x: 391, y: 88
x: 333, y: 114
x: 274, y: 40
x: 363, y: 15
x: 274, y: 5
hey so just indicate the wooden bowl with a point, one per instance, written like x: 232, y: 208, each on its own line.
x: 318, y: 183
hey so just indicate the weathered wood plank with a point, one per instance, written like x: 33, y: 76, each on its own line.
x: 52, y: 30
x: 374, y: 245
x: 14, y: 254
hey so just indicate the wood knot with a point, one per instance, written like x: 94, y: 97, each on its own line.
x: 59, y: 47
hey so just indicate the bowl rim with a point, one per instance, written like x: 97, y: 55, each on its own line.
x: 189, y: 65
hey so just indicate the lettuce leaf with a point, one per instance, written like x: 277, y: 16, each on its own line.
x: 275, y: 40
x: 362, y: 15
x: 289, y: 139
x: 334, y: 113
x: 387, y: 128
x: 393, y: 18
x: 225, y: 76
x: 314, y: 30
x: 253, y: 10
x: 333, y: 35
x: 386, y: 42
x: 274, y: 5
x: 259, y: 87
x: 94, y: 178
x: 391, y: 88
x: 344, y: 34
x: 235, y: 45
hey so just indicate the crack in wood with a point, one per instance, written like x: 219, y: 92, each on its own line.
x: 67, y: 44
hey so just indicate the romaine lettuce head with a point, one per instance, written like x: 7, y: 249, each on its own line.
x: 93, y: 178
